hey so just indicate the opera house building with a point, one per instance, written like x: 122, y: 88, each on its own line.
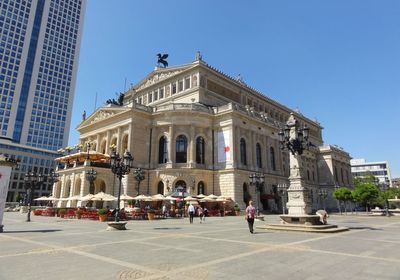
x: 195, y: 128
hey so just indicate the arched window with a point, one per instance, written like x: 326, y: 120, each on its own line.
x: 200, y: 188
x: 162, y: 150
x: 258, y: 155
x: 200, y: 150
x: 272, y: 158
x: 181, y: 149
x: 246, y: 194
x: 160, y: 188
x: 243, y: 159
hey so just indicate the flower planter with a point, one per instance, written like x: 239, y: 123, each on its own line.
x: 78, y: 216
x: 103, y: 218
x: 151, y: 216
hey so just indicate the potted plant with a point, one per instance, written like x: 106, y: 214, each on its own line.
x: 61, y: 212
x: 237, y: 209
x: 102, y: 214
x: 78, y: 214
x: 151, y: 214
x: 130, y: 203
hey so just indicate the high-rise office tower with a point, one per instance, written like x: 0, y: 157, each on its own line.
x: 39, y: 52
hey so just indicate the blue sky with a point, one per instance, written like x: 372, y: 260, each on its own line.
x: 336, y: 61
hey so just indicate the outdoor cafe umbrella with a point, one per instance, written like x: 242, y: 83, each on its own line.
x: 87, y: 197
x: 190, y: 198
x: 142, y: 197
x: 158, y: 197
x: 200, y: 196
x: 126, y: 197
x: 45, y: 198
x: 102, y: 196
x: 212, y: 196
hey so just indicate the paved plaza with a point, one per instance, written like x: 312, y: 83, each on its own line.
x: 220, y: 248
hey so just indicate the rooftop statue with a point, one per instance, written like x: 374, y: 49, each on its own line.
x: 162, y: 60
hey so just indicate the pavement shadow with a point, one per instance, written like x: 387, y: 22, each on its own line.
x: 364, y: 227
x: 38, y: 230
x: 166, y: 228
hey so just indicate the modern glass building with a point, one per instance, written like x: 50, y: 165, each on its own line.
x: 39, y: 52
x: 379, y: 169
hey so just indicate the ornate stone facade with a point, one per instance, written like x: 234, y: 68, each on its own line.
x: 194, y: 126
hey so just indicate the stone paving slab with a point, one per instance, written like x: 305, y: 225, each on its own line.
x: 221, y: 248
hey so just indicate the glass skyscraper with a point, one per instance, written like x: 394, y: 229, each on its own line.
x: 39, y: 52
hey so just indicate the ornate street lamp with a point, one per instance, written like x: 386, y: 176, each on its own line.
x: 257, y: 180
x: 323, y: 194
x: 138, y: 173
x: 91, y: 176
x: 282, y: 188
x: 53, y: 178
x: 120, y: 167
x: 296, y: 144
x: 32, y: 181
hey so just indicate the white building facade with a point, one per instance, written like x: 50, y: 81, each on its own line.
x: 380, y: 170
x: 194, y: 127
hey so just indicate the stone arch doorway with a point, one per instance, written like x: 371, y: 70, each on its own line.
x: 180, y: 186
x: 246, y: 194
x: 76, y: 191
x: 100, y: 186
x: 201, y: 188
x: 160, y: 188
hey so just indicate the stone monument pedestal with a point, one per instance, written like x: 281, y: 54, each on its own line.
x: 301, y: 219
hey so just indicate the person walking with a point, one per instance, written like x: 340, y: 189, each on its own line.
x: 200, y: 212
x: 250, y: 214
x: 191, y: 212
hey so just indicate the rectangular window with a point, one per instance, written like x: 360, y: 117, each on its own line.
x: 180, y: 86
x: 150, y: 97
x: 155, y: 95
x: 187, y: 82
x: 161, y: 93
x: 173, y: 88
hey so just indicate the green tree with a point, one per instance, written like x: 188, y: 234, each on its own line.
x: 19, y: 197
x: 344, y: 195
x: 365, y: 193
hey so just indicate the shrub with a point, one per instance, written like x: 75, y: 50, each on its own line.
x: 151, y: 210
x: 236, y: 207
x: 102, y: 211
x: 78, y: 212
x: 62, y: 211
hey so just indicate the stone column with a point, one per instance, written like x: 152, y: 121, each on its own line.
x: 98, y: 140
x: 119, y: 141
x: 170, y: 145
x: 108, y: 144
x: 298, y: 198
x: 192, y: 147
